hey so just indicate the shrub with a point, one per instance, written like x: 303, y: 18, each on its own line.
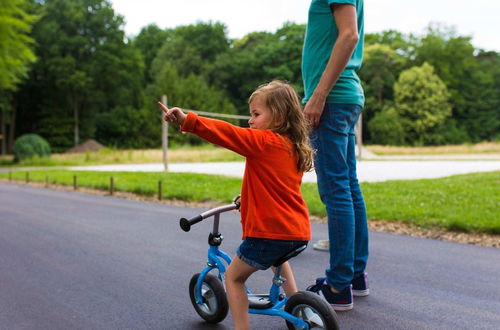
x: 30, y: 145
x: 386, y: 128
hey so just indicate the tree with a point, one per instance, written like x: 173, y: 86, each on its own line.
x: 452, y: 57
x: 402, y: 44
x: 386, y: 128
x: 381, y: 67
x: 258, y: 58
x: 192, y: 48
x: 483, y: 99
x: 16, y: 55
x: 85, y: 67
x: 148, y: 42
x: 16, y: 52
x: 180, y: 70
x: 421, y: 100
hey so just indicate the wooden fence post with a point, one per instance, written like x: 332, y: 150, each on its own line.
x: 359, y: 136
x: 164, y: 136
x: 160, y: 190
x: 111, y: 186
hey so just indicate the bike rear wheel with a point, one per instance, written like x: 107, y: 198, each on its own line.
x: 214, y: 305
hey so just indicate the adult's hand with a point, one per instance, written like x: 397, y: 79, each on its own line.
x: 313, y: 110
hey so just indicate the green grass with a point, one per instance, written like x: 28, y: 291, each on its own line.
x: 466, y: 203
x: 210, y: 153
x: 184, y: 186
x: 484, y: 148
x: 178, y: 154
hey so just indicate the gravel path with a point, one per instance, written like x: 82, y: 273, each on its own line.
x: 368, y: 171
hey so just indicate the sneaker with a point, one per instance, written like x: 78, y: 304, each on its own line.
x: 360, y: 286
x: 322, y: 245
x: 341, y: 301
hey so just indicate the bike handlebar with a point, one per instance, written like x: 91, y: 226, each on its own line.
x: 187, y: 223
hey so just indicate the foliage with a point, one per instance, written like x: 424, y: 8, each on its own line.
x: 482, y: 101
x: 381, y: 68
x: 148, y: 42
x: 452, y: 57
x: 257, y: 58
x: 404, y: 45
x: 421, y: 99
x: 30, y: 145
x: 85, y: 67
x: 16, y: 52
x: 178, y: 71
x: 386, y: 127
x: 124, y: 127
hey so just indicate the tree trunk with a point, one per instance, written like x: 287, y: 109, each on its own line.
x: 75, y: 117
x: 12, y: 131
x: 2, y: 133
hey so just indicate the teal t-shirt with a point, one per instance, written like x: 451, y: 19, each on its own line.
x: 321, y: 34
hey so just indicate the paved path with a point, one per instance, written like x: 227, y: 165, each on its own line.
x: 368, y: 171
x: 77, y: 261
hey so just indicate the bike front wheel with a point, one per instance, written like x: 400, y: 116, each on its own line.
x: 313, y: 310
x: 214, y: 306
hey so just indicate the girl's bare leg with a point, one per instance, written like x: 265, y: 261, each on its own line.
x: 236, y: 276
x: 289, y: 286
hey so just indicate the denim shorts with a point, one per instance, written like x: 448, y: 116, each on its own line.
x: 262, y: 253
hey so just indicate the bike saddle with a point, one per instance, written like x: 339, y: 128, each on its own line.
x: 290, y: 255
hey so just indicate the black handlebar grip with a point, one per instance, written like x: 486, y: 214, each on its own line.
x: 187, y: 223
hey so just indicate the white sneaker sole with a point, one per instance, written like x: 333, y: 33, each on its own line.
x: 342, y: 308
x: 361, y: 293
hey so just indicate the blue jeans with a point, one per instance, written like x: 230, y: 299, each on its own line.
x: 335, y: 165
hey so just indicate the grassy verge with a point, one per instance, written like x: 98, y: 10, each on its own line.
x: 485, y: 148
x: 466, y: 203
x: 210, y: 153
x: 205, y: 153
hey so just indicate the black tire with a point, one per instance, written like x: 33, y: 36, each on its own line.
x: 215, y: 307
x: 312, y: 309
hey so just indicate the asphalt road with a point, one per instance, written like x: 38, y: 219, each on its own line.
x: 77, y: 261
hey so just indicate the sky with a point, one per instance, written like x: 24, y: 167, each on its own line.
x: 478, y: 19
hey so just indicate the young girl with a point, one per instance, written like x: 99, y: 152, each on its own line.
x: 274, y: 216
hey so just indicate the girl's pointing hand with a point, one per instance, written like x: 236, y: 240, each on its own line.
x: 173, y: 115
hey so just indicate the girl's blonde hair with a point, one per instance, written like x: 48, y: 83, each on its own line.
x: 287, y: 118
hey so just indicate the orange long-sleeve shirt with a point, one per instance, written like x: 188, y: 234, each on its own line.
x: 271, y: 202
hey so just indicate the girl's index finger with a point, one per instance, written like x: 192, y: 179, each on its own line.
x: 163, y: 107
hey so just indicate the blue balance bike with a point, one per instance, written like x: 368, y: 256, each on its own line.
x: 303, y: 310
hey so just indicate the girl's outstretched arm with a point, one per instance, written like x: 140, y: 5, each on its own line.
x: 244, y: 141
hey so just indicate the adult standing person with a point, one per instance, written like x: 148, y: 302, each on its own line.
x: 334, y: 98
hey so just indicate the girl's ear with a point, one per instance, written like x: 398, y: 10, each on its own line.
x: 277, y: 122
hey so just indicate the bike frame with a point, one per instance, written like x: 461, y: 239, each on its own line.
x: 218, y: 259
